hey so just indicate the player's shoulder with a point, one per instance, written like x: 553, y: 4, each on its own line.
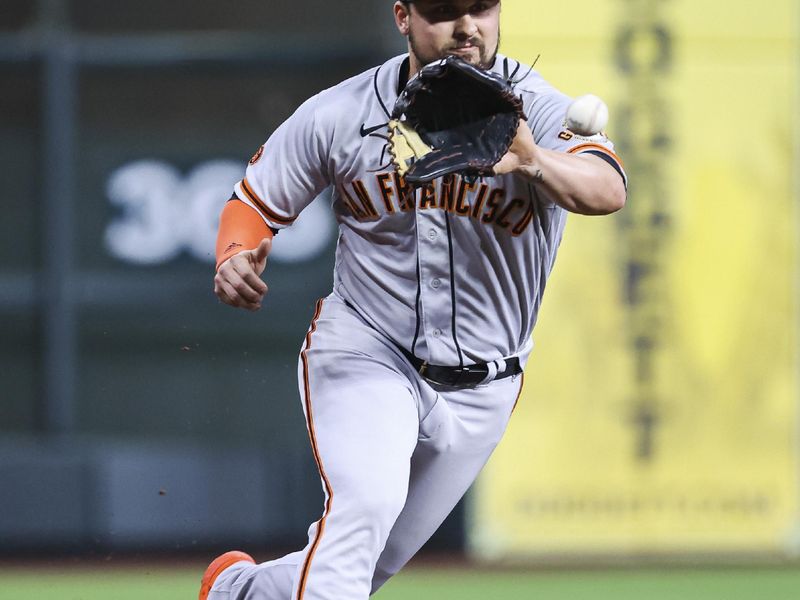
x: 372, y: 80
x: 358, y: 94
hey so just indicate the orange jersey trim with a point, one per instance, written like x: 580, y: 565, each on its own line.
x: 301, y: 587
x: 270, y: 214
x: 589, y: 146
x: 240, y: 228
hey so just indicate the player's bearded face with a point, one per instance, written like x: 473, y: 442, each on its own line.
x: 464, y: 28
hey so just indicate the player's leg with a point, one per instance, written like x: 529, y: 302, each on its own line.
x: 456, y: 439
x: 363, y: 421
x: 275, y: 580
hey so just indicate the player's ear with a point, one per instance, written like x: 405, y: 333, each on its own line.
x: 402, y: 13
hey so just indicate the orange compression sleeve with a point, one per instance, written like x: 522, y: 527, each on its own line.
x: 240, y: 228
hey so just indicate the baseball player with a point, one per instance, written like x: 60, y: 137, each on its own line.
x: 412, y: 365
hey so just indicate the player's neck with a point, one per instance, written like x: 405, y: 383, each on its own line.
x: 414, y: 65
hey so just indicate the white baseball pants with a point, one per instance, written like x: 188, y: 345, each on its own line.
x: 395, y: 455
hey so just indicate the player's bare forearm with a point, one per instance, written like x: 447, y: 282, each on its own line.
x: 580, y: 183
x: 583, y: 184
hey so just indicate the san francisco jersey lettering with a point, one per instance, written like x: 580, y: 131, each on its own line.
x: 395, y: 261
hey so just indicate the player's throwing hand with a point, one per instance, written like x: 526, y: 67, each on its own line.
x: 238, y: 281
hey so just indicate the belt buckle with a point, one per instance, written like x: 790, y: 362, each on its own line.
x: 422, y: 368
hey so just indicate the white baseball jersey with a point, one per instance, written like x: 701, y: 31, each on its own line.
x: 453, y: 274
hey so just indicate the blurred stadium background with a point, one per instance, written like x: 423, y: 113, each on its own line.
x: 143, y: 427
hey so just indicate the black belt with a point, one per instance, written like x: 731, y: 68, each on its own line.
x: 461, y: 377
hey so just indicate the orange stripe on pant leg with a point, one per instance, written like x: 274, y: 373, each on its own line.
x: 519, y: 393
x: 301, y: 588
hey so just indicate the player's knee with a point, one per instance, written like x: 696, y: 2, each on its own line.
x: 375, y: 510
x: 383, y: 506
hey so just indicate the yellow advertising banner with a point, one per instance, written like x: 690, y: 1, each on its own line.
x: 660, y: 408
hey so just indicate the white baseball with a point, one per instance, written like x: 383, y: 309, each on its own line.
x: 587, y: 115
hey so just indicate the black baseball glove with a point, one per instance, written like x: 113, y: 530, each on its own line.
x: 452, y: 117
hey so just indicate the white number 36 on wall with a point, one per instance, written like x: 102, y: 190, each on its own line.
x: 163, y: 213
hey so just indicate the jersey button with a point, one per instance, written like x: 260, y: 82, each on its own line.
x: 436, y: 283
x: 437, y: 332
x: 433, y: 234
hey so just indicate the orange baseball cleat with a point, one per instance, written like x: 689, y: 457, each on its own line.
x: 217, y: 566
